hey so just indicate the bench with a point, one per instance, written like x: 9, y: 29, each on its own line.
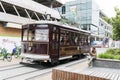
x: 62, y: 74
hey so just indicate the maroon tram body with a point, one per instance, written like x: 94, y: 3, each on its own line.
x: 48, y: 41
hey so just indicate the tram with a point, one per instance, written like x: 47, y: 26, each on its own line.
x: 50, y: 41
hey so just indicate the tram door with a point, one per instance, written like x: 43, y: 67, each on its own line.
x: 54, y: 43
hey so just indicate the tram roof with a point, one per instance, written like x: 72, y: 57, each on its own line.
x: 59, y: 24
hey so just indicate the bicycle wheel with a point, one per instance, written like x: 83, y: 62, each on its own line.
x: 9, y: 58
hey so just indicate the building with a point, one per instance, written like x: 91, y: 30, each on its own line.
x: 89, y: 16
x: 14, y: 13
x: 50, y: 3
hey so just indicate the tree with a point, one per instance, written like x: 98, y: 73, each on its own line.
x: 115, y: 21
x: 108, y: 20
x: 116, y: 24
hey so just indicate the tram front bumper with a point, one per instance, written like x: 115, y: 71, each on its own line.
x: 35, y: 56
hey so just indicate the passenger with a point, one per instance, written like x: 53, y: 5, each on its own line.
x: 62, y: 40
x: 93, y: 55
x: 72, y: 41
x: 67, y: 41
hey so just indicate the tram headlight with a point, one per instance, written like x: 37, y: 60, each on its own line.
x: 45, y: 60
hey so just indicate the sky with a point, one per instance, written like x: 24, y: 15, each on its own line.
x: 107, y: 6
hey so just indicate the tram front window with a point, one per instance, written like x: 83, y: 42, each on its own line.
x: 42, y: 35
x: 36, y: 34
x: 25, y: 35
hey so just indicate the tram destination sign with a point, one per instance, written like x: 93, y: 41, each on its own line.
x: 42, y: 26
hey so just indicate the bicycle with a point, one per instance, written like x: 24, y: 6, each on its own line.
x: 5, y: 55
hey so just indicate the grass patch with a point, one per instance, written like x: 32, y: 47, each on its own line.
x: 111, y: 54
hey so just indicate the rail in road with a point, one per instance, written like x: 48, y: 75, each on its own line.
x: 30, y: 71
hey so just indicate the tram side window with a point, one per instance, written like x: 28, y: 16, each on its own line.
x: 55, y: 37
x: 31, y: 35
x: 25, y: 31
x: 69, y: 38
x: 87, y: 41
x: 65, y: 37
x: 62, y: 37
x: 81, y: 40
x: 74, y: 39
x: 84, y: 40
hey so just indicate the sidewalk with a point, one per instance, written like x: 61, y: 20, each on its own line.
x: 79, y: 66
x: 6, y: 63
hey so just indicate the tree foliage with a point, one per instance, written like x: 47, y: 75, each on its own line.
x: 115, y: 21
x: 108, y: 20
x: 116, y: 24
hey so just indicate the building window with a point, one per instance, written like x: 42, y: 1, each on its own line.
x: 22, y: 12
x: 9, y: 8
x: 101, y: 24
x: 84, y: 27
x: 63, y: 10
x: 1, y: 10
x: 32, y: 14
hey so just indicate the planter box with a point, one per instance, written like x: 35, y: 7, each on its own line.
x: 106, y: 63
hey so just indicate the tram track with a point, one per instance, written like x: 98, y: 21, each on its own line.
x: 9, y: 65
x: 19, y: 75
x: 31, y: 74
x: 17, y: 72
x: 64, y: 65
x: 10, y: 68
x: 14, y: 66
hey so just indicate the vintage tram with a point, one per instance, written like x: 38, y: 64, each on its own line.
x: 51, y: 41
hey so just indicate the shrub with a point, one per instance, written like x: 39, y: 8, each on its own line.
x: 110, y: 51
x: 111, y: 54
x: 101, y: 55
x: 106, y: 56
x: 117, y: 57
x: 117, y: 52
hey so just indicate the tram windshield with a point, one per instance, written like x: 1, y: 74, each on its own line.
x: 41, y: 35
x: 36, y: 34
x: 25, y: 31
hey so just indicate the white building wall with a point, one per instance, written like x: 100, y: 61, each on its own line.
x: 95, y: 13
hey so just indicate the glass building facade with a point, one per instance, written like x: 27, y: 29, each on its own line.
x: 87, y: 14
